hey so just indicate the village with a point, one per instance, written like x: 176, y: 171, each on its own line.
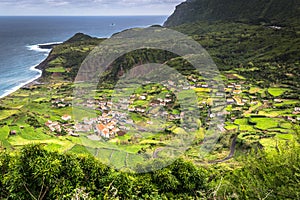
x: 239, y: 99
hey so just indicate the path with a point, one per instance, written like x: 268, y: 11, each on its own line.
x: 231, y: 154
x: 155, y: 153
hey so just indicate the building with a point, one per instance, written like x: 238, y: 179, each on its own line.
x: 66, y: 117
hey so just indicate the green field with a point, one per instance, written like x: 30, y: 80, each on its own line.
x: 277, y: 91
x: 56, y: 70
x: 265, y: 123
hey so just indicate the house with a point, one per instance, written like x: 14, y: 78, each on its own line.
x: 99, y: 128
x: 171, y: 83
x: 237, y: 91
x: 102, y: 130
x: 238, y: 87
x: 212, y: 115
x: 131, y: 109
x: 121, y: 133
x: 75, y: 135
x: 143, y: 98
x: 163, y: 103
x: 278, y: 100
x: 105, y: 133
x: 220, y: 94
x: 230, y: 101
x: 110, y: 125
x: 66, y: 117
x: 155, y: 102
x: 160, y: 99
x: 291, y: 119
x: 83, y: 128
x: 141, y: 110
x: 13, y: 132
x: 89, y: 121
x: 48, y: 123
x: 109, y: 104
x: 115, y: 130
x: 167, y: 100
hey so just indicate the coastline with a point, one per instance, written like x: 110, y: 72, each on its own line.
x: 37, y: 48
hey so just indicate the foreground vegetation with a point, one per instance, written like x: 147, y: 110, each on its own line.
x: 35, y: 173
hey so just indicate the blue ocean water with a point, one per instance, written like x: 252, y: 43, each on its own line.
x: 19, y: 37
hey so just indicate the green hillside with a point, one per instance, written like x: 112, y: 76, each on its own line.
x: 46, y: 152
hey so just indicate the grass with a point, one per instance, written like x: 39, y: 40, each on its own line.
x: 53, y: 147
x: 4, y: 133
x: 285, y: 136
x: 277, y: 91
x: 231, y: 127
x: 239, y: 76
x: 131, y: 148
x: 56, y: 70
x: 104, y: 155
x: 140, y: 103
x: 265, y: 123
x: 287, y: 103
x: 20, y: 141
x: 274, y: 112
x: 286, y: 125
x: 207, y: 90
x: 242, y: 121
x: 4, y: 114
x: 29, y: 133
x: 42, y: 99
x: 247, y: 128
x: 79, y: 149
x: 133, y: 160
x: 118, y: 159
x: 57, y: 61
x: 254, y: 90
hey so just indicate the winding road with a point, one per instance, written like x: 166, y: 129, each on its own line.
x: 231, y: 154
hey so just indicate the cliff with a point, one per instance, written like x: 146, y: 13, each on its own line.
x: 254, y: 11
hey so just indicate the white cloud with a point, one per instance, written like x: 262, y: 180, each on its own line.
x: 57, y: 2
x: 88, y: 7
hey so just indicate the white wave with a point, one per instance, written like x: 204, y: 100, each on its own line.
x: 36, y: 47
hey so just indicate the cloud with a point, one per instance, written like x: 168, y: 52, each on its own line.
x: 89, y: 2
x: 57, y: 2
x: 81, y: 7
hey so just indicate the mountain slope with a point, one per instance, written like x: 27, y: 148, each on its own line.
x: 255, y: 11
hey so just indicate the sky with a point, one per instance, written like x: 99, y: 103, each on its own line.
x: 86, y: 7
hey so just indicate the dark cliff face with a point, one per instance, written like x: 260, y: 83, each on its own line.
x: 254, y: 11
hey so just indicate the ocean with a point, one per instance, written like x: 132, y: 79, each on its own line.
x: 20, y: 36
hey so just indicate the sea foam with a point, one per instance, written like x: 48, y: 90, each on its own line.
x: 12, y: 90
x: 33, y: 68
x: 36, y: 47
